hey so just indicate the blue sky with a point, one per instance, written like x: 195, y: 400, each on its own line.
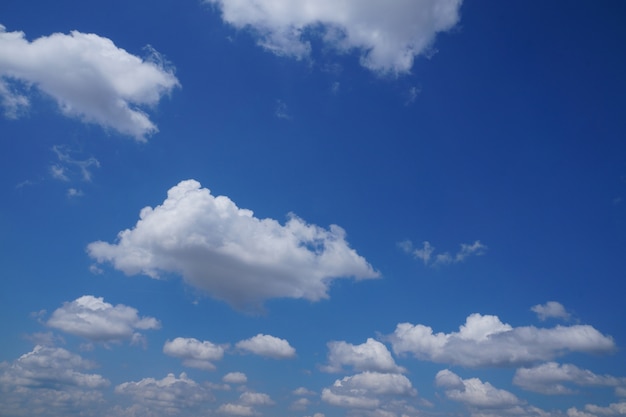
x: 313, y: 208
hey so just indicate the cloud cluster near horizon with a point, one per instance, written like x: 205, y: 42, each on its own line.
x: 225, y: 251
x: 88, y: 76
x: 388, y: 35
x: 372, y: 383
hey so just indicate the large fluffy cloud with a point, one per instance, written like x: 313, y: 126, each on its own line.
x: 87, y: 75
x: 94, y: 319
x: 269, y: 346
x: 50, y: 379
x: 551, y: 377
x: 486, y: 341
x: 369, y: 356
x: 226, y: 251
x: 389, y: 35
x: 195, y: 354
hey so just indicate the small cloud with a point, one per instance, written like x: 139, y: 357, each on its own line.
x: 281, y: 110
x: 98, y: 321
x: 269, y: 346
x: 302, y: 391
x: 369, y: 356
x: 73, y: 192
x: 412, y: 95
x: 195, y: 354
x: 58, y: 173
x: 551, y: 309
x: 235, y: 378
x: 427, y: 252
x: 25, y: 183
x: 95, y: 269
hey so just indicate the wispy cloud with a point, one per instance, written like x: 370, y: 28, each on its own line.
x: 281, y: 110
x: 426, y: 253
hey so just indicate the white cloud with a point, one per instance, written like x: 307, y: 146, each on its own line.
x: 236, y: 410
x: 549, y: 378
x: 51, y: 379
x: 574, y: 412
x: 195, y: 354
x: 94, y: 319
x: 486, y: 341
x: 369, y: 356
x: 235, y: 378
x: 255, y: 398
x: 388, y: 35
x: 300, y: 404
x: 367, y: 390
x: 266, y: 345
x: 614, y: 409
x: 426, y: 252
x: 169, y: 395
x: 591, y: 410
x: 473, y: 392
x: 303, y: 391
x: 88, y: 76
x: 551, y: 309
x: 52, y: 366
x: 73, y: 192
x: 226, y: 251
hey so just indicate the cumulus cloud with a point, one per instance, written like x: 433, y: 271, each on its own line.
x: 48, y: 378
x: 486, y: 341
x: 551, y: 309
x: 551, y: 377
x: 367, y: 390
x: 473, y: 392
x: 235, y: 378
x: 227, y: 252
x: 88, y: 76
x: 94, y: 319
x: 269, y: 346
x: 426, y: 252
x: 369, y: 356
x: 170, y: 394
x: 388, y: 35
x: 195, y: 354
